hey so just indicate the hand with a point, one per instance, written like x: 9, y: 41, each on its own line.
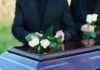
x: 87, y: 28
x: 60, y: 32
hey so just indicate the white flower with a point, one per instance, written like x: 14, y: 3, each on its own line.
x: 91, y: 29
x: 32, y: 36
x: 89, y: 18
x: 60, y: 33
x: 34, y: 42
x: 45, y: 43
x: 94, y: 17
x: 41, y: 35
x: 87, y: 28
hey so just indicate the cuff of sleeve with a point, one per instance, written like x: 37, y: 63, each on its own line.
x: 70, y: 35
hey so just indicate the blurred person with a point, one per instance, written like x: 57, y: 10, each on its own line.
x: 36, y: 15
x: 80, y: 9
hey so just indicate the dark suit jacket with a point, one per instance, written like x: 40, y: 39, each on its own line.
x: 79, y: 13
x: 27, y: 19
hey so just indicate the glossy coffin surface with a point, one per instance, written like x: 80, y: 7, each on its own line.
x: 70, y: 49
x: 83, y: 55
x: 88, y: 61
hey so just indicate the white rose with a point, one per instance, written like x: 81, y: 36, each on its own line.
x: 87, y: 28
x: 89, y: 18
x: 45, y: 43
x: 94, y: 17
x: 91, y: 29
x: 34, y: 42
x: 32, y: 36
x: 41, y: 35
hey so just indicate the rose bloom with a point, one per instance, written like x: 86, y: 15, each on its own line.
x: 60, y: 33
x: 41, y: 35
x: 87, y: 28
x: 34, y: 42
x: 45, y: 43
x: 89, y: 18
x: 91, y: 28
x: 94, y: 17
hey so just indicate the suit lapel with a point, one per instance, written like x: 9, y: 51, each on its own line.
x: 47, y: 14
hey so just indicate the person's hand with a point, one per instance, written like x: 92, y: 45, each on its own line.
x: 87, y: 28
x: 60, y: 32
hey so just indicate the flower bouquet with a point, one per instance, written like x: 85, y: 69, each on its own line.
x: 91, y: 20
x: 40, y: 43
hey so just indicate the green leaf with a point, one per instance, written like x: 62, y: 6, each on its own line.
x: 59, y: 37
x: 57, y: 40
x: 97, y: 32
x: 36, y: 35
x: 93, y: 34
x: 86, y: 35
x: 50, y: 30
x: 28, y: 37
x: 50, y: 38
x: 39, y: 49
x: 54, y: 46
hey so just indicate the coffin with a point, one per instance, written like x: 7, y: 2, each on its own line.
x: 79, y: 55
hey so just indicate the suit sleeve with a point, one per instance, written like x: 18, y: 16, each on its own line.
x: 18, y: 28
x: 69, y: 27
x: 97, y: 10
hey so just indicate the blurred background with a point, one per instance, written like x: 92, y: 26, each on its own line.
x: 7, y: 10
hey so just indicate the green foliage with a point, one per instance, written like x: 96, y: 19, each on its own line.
x: 50, y: 36
x: 54, y: 47
x: 7, y: 40
x: 50, y: 31
x: 89, y: 35
x: 54, y: 41
x: 29, y: 37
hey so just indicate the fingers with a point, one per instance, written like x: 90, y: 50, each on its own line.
x: 87, y: 28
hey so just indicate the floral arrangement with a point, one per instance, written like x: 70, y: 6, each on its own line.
x: 91, y: 19
x: 40, y: 42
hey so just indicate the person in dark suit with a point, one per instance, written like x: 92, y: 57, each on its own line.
x: 79, y: 11
x: 36, y: 15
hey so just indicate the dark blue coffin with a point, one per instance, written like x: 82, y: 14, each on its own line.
x: 76, y: 56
